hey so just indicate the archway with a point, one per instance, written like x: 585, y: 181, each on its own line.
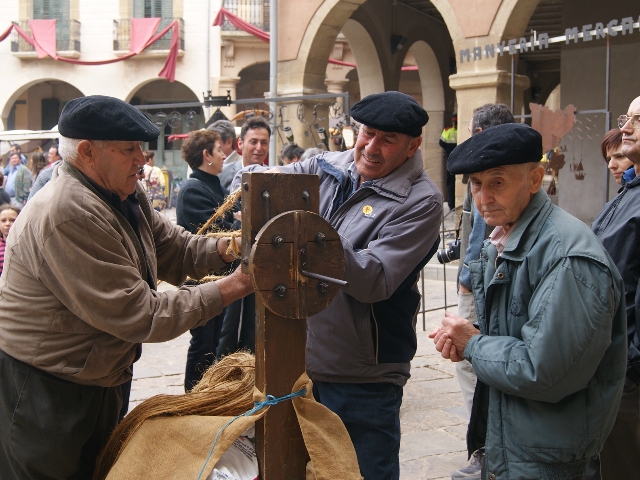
x: 427, y: 87
x: 366, y: 57
x: 37, y: 105
x: 170, y: 120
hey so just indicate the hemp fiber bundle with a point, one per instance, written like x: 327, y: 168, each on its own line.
x: 226, y: 389
x: 210, y: 225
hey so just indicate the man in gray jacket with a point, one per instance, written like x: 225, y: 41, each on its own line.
x: 387, y: 211
x: 550, y: 351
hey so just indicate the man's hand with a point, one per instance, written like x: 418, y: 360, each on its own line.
x: 451, y: 339
x: 235, y: 286
x: 222, y: 246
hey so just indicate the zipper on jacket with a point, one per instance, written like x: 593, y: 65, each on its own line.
x: 607, y: 219
x: 375, y: 322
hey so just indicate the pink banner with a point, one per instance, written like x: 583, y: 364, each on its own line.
x: 241, y: 24
x: 169, y: 70
x: 6, y: 33
x: 49, y: 41
x: 142, y: 29
x: 43, y: 33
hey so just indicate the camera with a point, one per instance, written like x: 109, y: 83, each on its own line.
x: 449, y: 254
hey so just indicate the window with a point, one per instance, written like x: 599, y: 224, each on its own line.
x: 152, y: 8
x: 50, y: 9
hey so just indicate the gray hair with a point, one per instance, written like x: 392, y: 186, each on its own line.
x: 225, y: 129
x: 310, y: 152
x: 68, y: 147
x: 490, y: 115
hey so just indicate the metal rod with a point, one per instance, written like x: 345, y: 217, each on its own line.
x: 245, y: 101
x: 607, y: 123
x: 444, y: 266
x: 424, y: 316
x: 440, y: 308
x: 273, y: 74
x: 577, y: 112
x: 513, y: 81
x: 317, y: 96
x: 207, y: 84
x: 317, y: 276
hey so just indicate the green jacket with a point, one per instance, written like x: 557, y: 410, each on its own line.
x: 23, y: 184
x: 552, y: 353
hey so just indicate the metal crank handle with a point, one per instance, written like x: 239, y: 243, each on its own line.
x: 322, y: 278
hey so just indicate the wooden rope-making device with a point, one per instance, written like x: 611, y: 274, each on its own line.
x: 296, y: 262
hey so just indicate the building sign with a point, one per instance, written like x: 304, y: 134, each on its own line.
x: 541, y: 41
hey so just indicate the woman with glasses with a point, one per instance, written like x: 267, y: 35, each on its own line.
x: 618, y: 228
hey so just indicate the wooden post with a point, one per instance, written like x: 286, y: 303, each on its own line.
x: 280, y: 341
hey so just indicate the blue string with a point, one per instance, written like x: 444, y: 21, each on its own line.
x: 257, y: 406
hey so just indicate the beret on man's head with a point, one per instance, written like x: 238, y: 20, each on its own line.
x: 97, y: 117
x: 391, y: 112
x: 506, y: 144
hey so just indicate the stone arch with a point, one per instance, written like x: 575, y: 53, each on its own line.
x: 513, y: 16
x: 365, y: 53
x: 254, y: 80
x: 306, y: 72
x: 71, y: 92
x: 433, y: 101
x: 155, y: 90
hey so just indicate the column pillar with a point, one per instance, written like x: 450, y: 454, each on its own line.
x: 335, y: 86
x: 224, y: 84
x: 474, y: 89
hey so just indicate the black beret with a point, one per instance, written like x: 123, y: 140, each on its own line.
x: 506, y: 144
x: 105, y: 118
x: 391, y: 112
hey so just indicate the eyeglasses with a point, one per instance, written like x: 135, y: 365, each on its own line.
x: 635, y: 120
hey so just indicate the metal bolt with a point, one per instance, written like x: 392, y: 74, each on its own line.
x: 304, y: 265
x: 277, y: 241
x: 245, y: 261
x: 323, y: 287
x: 305, y: 195
x: 280, y: 290
x: 265, y: 195
x: 303, y: 252
x: 320, y: 237
x: 246, y: 186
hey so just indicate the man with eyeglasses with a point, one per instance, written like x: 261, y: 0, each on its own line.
x: 618, y: 228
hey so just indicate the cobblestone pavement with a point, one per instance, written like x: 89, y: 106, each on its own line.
x: 433, y: 417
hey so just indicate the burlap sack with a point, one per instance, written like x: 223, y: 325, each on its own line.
x: 177, y: 447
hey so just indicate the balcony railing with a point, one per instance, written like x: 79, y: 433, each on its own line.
x: 122, y: 35
x: 256, y: 12
x: 67, y: 37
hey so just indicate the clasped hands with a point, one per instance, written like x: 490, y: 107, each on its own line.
x: 451, y: 338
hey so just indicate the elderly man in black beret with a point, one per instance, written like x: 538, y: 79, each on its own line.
x: 549, y: 348
x: 387, y: 211
x: 78, y: 293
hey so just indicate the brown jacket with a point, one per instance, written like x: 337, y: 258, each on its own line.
x: 73, y: 297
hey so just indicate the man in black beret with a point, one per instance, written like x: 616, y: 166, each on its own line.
x: 549, y: 348
x: 78, y: 293
x: 387, y: 211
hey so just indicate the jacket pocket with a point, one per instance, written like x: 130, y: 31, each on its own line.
x: 550, y: 432
x: 68, y: 323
